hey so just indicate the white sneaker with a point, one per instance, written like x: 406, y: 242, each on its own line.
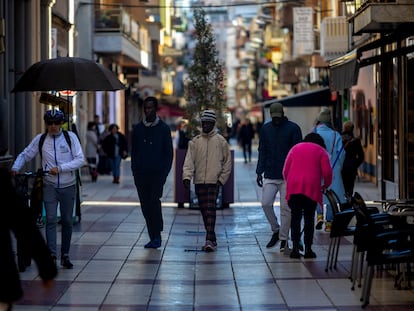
x: 209, y: 247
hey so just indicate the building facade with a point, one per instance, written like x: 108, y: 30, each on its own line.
x: 128, y: 37
x: 375, y: 81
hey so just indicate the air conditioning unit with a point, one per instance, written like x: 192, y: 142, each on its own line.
x: 334, y: 37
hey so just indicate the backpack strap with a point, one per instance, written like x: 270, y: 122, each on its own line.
x: 41, y: 142
x: 67, y: 138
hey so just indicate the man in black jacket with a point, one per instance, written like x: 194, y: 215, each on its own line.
x: 276, y: 139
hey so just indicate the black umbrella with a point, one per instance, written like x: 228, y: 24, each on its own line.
x: 67, y: 73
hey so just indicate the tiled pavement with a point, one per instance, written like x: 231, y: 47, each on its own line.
x: 114, y: 272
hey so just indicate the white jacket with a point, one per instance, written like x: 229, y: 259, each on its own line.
x: 55, y: 153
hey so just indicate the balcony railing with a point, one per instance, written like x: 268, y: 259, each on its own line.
x: 116, y: 20
x: 380, y: 16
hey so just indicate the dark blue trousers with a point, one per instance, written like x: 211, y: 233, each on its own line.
x: 150, y: 188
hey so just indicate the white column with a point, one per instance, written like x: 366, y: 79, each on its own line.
x: 112, y: 107
x: 98, y: 104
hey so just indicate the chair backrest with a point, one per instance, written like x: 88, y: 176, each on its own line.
x: 333, y: 200
x: 342, y: 215
x: 362, y: 211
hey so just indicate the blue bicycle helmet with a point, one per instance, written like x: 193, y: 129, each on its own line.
x: 54, y: 115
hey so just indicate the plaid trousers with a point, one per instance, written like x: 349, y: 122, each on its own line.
x: 207, y: 197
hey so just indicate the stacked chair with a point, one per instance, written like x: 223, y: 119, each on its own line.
x: 364, y: 215
x: 342, y: 216
x: 385, y: 241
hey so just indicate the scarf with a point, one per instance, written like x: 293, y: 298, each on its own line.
x: 151, y: 124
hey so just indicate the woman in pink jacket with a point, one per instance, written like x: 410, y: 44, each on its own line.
x: 307, y: 172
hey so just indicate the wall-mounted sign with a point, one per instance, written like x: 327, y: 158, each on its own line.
x: 303, y: 36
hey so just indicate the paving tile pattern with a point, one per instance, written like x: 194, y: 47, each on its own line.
x: 113, y: 271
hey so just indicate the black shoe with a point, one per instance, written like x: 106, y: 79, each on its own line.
x: 155, y: 243
x: 282, y: 245
x: 295, y: 254
x: 310, y: 254
x: 319, y: 225
x: 273, y: 240
x: 65, y: 262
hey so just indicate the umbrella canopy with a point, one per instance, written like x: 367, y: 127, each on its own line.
x: 67, y: 73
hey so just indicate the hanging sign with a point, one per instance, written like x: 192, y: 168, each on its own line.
x: 303, y: 36
x: 67, y: 93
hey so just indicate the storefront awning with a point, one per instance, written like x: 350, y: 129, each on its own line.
x: 343, y: 71
x: 314, y: 98
x: 169, y: 111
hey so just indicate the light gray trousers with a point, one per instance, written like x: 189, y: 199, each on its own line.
x: 270, y: 189
x: 66, y: 198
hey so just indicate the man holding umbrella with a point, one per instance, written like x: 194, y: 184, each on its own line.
x: 61, y: 155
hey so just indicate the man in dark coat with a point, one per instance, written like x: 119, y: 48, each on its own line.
x: 276, y: 140
x: 151, y: 161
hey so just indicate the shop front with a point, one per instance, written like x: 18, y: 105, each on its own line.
x: 378, y: 79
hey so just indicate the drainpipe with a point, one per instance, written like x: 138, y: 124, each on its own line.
x: 45, y: 28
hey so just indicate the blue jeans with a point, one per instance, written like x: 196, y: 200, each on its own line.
x: 115, y: 166
x: 65, y: 197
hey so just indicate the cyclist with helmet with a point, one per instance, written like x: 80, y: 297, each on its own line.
x: 61, y: 160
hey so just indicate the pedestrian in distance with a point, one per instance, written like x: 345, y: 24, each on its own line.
x: 306, y: 168
x: 275, y: 141
x: 104, y: 164
x: 208, y: 164
x: 91, y: 149
x: 334, y: 147
x: 182, y: 139
x: 246, y: 135
x: 99, y: 127
x: 61, y: 156
x: 354, y: 157
x: 151, y: 161
x: 20, y: 222
x: 115, y: 147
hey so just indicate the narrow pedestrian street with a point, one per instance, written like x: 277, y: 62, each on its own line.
x: 113, y: 271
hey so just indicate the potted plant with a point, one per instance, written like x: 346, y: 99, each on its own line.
x: 205, y: 83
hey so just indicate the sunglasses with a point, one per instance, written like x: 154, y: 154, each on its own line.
x: 54, y: 122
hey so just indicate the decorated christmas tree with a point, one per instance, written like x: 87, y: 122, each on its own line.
x: 205, y: 85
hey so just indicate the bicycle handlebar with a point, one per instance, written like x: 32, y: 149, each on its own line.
x: 33, y: 174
